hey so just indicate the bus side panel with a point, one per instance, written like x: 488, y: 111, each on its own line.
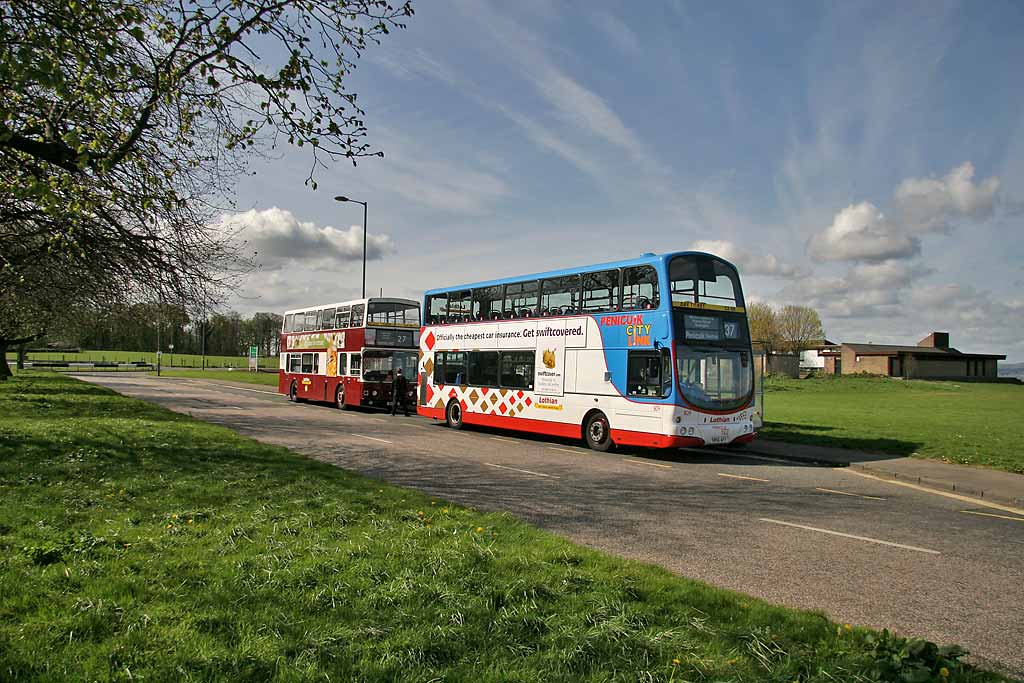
x: 283, y: 382
x: 353, y: 391
x: 524, y: 424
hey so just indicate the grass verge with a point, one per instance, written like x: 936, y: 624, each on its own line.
x: 178, y: 359
x: 136, y: 543
x: 966, y: 423
x: 266, y: 378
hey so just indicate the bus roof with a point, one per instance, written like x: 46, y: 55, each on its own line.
x: 643, y: 259
x: 352, y: 302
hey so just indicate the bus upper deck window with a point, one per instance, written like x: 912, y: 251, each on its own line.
x: 639, y: 288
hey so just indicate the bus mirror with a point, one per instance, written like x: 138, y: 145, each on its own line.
x: 607, y: 377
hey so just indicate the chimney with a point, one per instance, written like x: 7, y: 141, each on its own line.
x: 935, y: 340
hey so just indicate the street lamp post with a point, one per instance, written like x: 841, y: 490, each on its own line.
x: 341, y: 198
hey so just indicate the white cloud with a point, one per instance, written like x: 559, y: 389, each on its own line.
x: 277, y: 237
x: 747, y: 262
x: 617, y: 31
x: 866, y: 290
x: 928, y: 204
x: 861, y: 232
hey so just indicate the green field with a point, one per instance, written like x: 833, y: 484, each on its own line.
x: 177, y: 359
x: 267, y: 378
x: 140, y: 544
x: 968, y: 423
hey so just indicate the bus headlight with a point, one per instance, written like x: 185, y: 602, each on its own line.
x: 678, y: 419
x: 366, y: 393
x: 375, y: 393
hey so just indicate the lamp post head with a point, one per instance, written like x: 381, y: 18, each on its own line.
x: 340, y: 198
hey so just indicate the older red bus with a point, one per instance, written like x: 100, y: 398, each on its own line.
x: 347, y: 352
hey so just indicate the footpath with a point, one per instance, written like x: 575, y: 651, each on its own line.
x: 976, y: 482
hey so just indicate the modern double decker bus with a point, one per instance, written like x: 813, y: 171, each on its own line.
x: 653, y: 351
x: 347, y: 352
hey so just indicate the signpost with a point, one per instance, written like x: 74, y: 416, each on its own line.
x: 254, y: 358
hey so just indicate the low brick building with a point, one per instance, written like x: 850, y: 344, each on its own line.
x: 932, y: 358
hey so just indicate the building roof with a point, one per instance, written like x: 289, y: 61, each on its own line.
x: 896, y: 349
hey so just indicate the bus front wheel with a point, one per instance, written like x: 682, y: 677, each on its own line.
x: 339, y: 398
x: 453, y: 415
x: 597, y: 432
x: 293, y: 393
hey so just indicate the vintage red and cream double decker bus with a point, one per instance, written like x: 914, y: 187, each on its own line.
x: 347, y: 352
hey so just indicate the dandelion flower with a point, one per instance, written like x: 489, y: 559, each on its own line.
x: 433, y: 502
x: 479, y: 529
x: 174, y: 516
x: 190, y: 521
x: 847, y: 627
x: 944, y: 672
x: 169, y: 526
x: 444, y: 509
x: 675, y: 662
x: 419, y: 512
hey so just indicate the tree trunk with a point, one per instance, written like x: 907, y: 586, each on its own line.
x: 5, y: 370
x: 21, y: 357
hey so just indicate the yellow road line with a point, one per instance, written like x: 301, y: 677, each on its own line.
x: 740, y: 476
x: 954, y: 496
x: 989, y: 514
x: 844, y: 493
x: 650, y: 464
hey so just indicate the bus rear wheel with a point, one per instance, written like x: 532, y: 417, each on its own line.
x: 453, y: 415
x: 597, y: 432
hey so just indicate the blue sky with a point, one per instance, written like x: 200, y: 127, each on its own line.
x: 865, y: 159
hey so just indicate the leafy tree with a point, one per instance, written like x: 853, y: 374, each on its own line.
x: 764, y: 325
x: 800, y: 327
x: 124, y: 124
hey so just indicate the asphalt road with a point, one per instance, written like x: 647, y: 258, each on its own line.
x: 865, y: 551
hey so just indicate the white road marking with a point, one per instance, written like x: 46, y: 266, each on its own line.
x: 853, y: 536
x: 926, y: 489
x: 845, y: 493
x: 371, y: 438
x: 406, y: 424
x: 741, y: 454
x: 651, y: 464
x: 782, y: 461
x: 516, y: 469
x: 265, y: 392
x: 501, y: 438
x: 989, y: 514
x: 740, y: 476
x: 567, y: 450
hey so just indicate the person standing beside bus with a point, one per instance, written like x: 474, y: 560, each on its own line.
x: 400, y: 393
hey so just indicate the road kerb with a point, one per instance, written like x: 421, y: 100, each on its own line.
x: 932, y: 485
